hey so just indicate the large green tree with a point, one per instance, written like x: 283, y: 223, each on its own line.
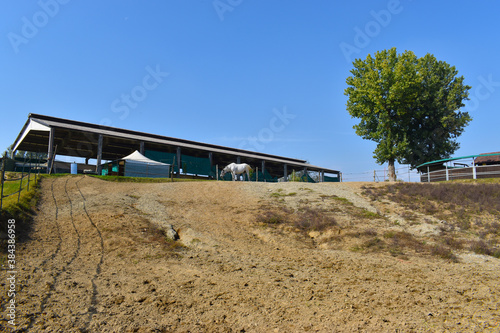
x: 409, y: 106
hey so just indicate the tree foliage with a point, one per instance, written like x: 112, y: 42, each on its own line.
x: 409, y: 106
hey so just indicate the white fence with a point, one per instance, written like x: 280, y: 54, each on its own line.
x: 403, y: 173
x: 461, y: 172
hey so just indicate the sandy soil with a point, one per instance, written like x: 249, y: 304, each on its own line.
x: 96, y: 263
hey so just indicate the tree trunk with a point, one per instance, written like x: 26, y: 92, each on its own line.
x: 392, y: 171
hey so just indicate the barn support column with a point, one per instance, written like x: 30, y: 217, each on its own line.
x: 50, y: 152
x: 98, y: 167
x: 211, y: 160
x: 178, y: 162
x: 305, y: 175
x: 141, y: 148
x: 238, y: 160
x: 263, y: 170
x: 285, y: 172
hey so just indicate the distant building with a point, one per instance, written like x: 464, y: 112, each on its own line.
x: 486, y: 165
x: 488, y: 159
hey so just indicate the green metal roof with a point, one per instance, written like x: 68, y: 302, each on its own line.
x: 453, y: 159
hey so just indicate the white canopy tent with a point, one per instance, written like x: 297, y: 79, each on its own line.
x: 138, y: 165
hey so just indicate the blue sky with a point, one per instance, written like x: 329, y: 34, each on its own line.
x: 258, y: 75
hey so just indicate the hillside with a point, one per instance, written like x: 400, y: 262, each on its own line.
x: 252, y: 257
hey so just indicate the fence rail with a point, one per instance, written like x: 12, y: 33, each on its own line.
x: 29, y: 163
x: 456, y: 173
x: 403, y: 173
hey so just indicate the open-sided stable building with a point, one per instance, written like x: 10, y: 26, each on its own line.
x: 65, y: 137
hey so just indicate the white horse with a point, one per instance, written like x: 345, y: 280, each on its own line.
x: 237, y: 169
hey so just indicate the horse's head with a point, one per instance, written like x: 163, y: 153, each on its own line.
x: 223, y: 172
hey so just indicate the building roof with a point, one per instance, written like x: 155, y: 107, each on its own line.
x: 489, y: 158
x: 80, y: 139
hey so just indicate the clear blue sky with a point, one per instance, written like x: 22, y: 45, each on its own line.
x: 259, y: 75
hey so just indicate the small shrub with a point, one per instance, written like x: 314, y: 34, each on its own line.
x: 480, y: 247
x: 369, y: 215
x: 443, y: 252
x: 314, y: 219
x: 493, y: 228
x: 453, y: 243
x: 389, y: 234
x: 271, y: 217
x: 402, y: 239
x: 374, y: 243
x: 370, y: 232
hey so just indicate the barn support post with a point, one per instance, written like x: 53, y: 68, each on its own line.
x: 285, y: 172
x: 263, y: 169
x: 238, y: 160
x: 141, y: 148
x: 447, y: 173
x: 428, y: 175
x: 211, y: 161
x: 98, y: 167
x: 178, y: 162
x: 51, y: 150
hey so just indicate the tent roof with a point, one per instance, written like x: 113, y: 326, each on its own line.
x: 136, y: 156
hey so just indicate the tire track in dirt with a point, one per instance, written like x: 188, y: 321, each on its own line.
x: 51, y: 257
x: 58, y: 230
x: 64, y: 282
x: 32, y: 276
x: 44, y: 264
x: 57, y: 274
x: 93, y: 306
x: 46, y: 274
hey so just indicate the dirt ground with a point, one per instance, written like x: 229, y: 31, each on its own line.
x: 97, y: 263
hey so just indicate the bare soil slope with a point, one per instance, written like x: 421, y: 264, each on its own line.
x: 96, y: 262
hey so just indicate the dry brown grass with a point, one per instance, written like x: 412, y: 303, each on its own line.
x: 470, y: 212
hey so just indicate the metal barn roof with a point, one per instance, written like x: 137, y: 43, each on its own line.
x: 80, y: 139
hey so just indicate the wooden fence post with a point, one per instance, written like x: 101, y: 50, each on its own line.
x: 3, y: 177
x: 21, y: 182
